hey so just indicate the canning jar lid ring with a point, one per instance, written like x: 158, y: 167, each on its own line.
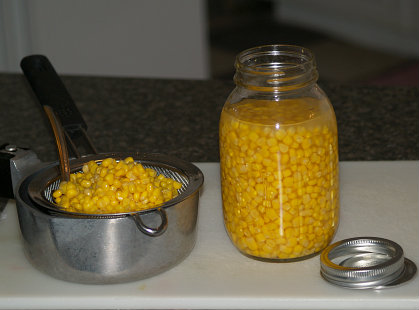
x: 366, y: 263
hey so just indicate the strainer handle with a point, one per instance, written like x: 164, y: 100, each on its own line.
x: 149, y: 231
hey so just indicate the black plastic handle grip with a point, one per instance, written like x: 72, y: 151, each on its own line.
x: 50, y: 90
x: 6, y: 187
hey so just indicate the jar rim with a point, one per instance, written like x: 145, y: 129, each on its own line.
x: 304, y: 55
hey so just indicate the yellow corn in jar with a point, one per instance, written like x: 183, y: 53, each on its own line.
x: 279, y: 156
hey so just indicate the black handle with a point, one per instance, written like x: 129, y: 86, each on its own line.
x: 50, y: 90
x: 6, y: 188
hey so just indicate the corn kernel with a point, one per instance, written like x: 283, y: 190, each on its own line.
x: 57, y: 193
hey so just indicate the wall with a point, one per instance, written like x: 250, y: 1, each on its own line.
x: 388, y: 25
x: 147, y: 38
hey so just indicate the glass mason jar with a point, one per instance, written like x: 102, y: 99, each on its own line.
x: 279, y: 156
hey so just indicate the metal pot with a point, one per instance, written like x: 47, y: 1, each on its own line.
x: 95, y: 248
x: 109, y: 248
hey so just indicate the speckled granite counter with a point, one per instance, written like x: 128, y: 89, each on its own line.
x: 180, y: 117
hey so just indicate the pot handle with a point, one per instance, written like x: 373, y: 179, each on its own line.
x: 149, y: 231
x: 51, y: 91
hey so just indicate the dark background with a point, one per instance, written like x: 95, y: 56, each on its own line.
x: 235, y: 25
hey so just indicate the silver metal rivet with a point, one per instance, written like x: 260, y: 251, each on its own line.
x: 11, y: 148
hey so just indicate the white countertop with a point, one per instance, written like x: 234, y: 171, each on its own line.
x: 377, y: 199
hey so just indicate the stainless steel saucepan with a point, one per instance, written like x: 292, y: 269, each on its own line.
x: 97, y: 248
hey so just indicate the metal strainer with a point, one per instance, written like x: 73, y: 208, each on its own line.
x: 42, y: 186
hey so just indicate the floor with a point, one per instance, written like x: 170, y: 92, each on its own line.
x: 238, y: 25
